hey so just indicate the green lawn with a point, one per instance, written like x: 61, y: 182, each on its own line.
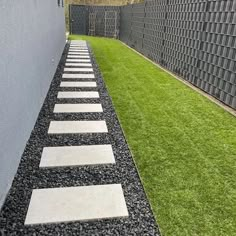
x: 184, y: 145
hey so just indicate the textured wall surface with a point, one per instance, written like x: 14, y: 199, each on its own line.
x: 32, y: 38
x: 196, y: 39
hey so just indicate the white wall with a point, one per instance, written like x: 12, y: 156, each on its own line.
x: 32, y: 38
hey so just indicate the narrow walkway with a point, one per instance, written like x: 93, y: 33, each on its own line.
x: 77, y: 176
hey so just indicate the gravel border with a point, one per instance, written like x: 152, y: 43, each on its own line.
x: 140, y: 221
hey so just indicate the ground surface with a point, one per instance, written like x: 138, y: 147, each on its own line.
x: 53, y: 220
x: 183, y: 144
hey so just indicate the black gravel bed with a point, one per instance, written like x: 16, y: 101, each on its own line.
x: 140, y: 221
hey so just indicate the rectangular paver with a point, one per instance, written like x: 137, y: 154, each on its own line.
x: 78, y: 60
x: 78, y: 56
x: 73, y: 127
x: 77, y: 108
x: 78, y: 76
x: 75, y: 49
x: 77, y: 155
x: 79, y: 64
x: 56, y: 205
x: 78, y: 69
x: 81, y: 94
x: 78, y: 53
x: 71, y: 84
x: 78, y: 46
x: 78, y: 50
x: 78, y: 42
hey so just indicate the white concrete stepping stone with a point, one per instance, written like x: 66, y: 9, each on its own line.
x: 78, y: 84
x: 78, y: 76
x: 56, y: 205
x: 77, y: 108
x: 78, y: 69
x: 77, y: 155
x: 83, y: 44
x: 78, y: 47
x: 79, y: 64
x: 78, y: 50
x: 78, y: 53
x: 78, y: 60
x: 78, y: 56
x: 74, y: 127
x: 81, y: 94
x: 79, y: 44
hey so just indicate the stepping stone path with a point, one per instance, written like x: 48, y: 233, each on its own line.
x: 78, y: 76
x: 82, y: 94
x: 78, y: 70
x: 77, y: 155
x: 78, y: 84
x: 56, y: 205
x: 78, y: 56
x: 78, y: 53
x: 78, y: 60
x: 78, y: 49
x: 75, y: 127
x: 79, y: 64
x: 77, y: 108
x: 77, y: 175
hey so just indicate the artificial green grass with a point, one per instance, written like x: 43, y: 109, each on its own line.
x: 184, y: 145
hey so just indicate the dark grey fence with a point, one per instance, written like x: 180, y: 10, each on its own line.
x: 195, y: 39
x: 78, y: 19
x: 95, y: 20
